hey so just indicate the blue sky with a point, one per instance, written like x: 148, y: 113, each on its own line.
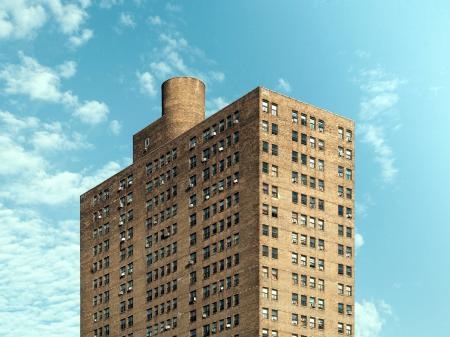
x: 78, y: 78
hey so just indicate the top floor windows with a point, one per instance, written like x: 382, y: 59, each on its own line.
x: 274, y: 109
x: 265, y: 106
x: 321, y: 125
x: 294, y: 116
x: 303, y: 119
x: 348, y: 135
x: 340, y: 133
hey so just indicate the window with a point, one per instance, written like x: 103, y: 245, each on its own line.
x: 274, y: 109
x: 265, y: 147
x: 265, y: 292
x: 294, y: 116
x: 312, y: 142
x: 265, y: 106
x: 348, y: 135
x: 348, y: 174
x: 312, y: 123
x: 274, y: 129
x: 275, y: 232
x: 294, y: 136
x: 294, y: 156
x: 294, y: 177
x: 274, y: 171
x: 348, y: 193
x: 265, y: 167
x: 265, y: 271
x: 340, y: 133
x: 274, y: 315
x: 265, y: 313
x: 294, y: 258
x: 274, y: 253
x: 265, y: 251
x: 274, y: 294
x: 295, y: 197
x: 348, y: 154
x: 265, y: 230
x: 265, y: 126
x: 265, y: 209
x: 274, y: 212
x: 303, y: 119
x: 265, y: 188
x: 321, y: 125
x: 275, y: 149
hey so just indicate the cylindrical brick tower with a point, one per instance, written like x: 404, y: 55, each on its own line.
x: 183, y: 104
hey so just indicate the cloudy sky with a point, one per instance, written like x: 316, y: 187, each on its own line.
x: 78, y: 78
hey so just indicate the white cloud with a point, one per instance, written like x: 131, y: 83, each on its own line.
x: 44, y: 300
x: 67, y: 69
x: 173, y: 8
x: 92, y: 112
x: 154, y: 20
x: 359, y: 240
x: 170, y: 59
x: 147, y: 83
x: 115, y: 126
x: 42, y: 83
x: 80, y: 39
x: 378, y: 116
x: 374, y: 135
x: 370, y: 317
x: 110, y: 3
x: 215, y: 104
x: 127, y: 20
x: 283, y: 85
x: 23, y: 18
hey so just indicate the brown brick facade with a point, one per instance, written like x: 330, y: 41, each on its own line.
x: 149, y: 267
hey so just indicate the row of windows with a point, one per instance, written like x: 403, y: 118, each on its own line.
x: 219, y: 226
x: 100, y: 231
x: 126, y: 287
x: 304, y: 201
x: 151, y: 166
x: 126, y: 252
x: 313, y: 182
x: 101, y: 314
x: 161, y: 327
x: 101, y: 247
x: 161, y: 289
x: 124, y: 270
x: 101, y: 196
x: 100, y: 264
x: 220, y: 206
x: 160, y: 254
x: 100, y: 281
x: 126, y: 305
x: 221, y: 285
x: 162, y: 308
x: 161, y: 179
x: 163, y: 234
x: 320, y: 144
x: 101, y: 213
x: 219, y: 246
x: 220, y: 305
x: 101, y: 298
x: 211, y: 132
x: 164, y: 215
x: 220, y: 146
x: 220, y: 326
x: 125, y: 182
x: 219, y: 266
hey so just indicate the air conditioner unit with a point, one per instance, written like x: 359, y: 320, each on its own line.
x: 120, y: 188
x: 349, y: 216
x: 204, y: 159
x: 122, y: 274
x: 194, y: 299
x: 155, y: 222
x: 294, y: 220
x: 236, y: 121
x: 168, y: 327
x: 320, y: 268
x: 204, y: 316
x: 191, y: 185
x: 99, y: 216
x: 213, y: 133
x: 220, y: 188
x: 348, y: 255
x: 313, y: 305
x: 207, y: 196
x: 294, y: 180
x: 121, y: 293
x: 147, y: 245
x: 321, y: 247
x: 228, y: 325
x: 274, y: 318
x: 294, y: 323
x: 191, y: 205
x: 221, y: 288
x: 236, y: 180
x: 95, y: 319
x: 130, y: 288
x: 121, y: 222
x: 221, y: 149
x: 122, y: 239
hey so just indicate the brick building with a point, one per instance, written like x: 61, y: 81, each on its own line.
x: 239, y: 224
